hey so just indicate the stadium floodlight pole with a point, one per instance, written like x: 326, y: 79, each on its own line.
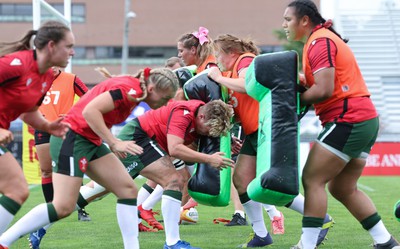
x: 125, y: 46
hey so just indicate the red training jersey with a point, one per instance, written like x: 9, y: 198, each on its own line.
x: 119, y: 88
x: 177, y: 118
x: 22, y: 87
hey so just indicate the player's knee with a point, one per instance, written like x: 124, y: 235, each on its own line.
x: 339, y: 193
x: 64, y: 210
x: 238, y: 183
x: 175, y: 182
x: 46, y: 173
x: 24, y: 193
x: 307, y: 182
x: 21, y: 196
x: 133, y: 191
x: 18, y: 191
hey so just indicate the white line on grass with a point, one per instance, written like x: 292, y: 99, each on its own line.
x: 364, y: 187
x: 32, y: 186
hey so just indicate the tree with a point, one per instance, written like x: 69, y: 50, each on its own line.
x: 290, y: 45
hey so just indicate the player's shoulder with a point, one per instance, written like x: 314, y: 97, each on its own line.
x: 19, y: 60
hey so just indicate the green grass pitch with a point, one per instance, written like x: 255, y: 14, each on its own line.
x: 103, y: 230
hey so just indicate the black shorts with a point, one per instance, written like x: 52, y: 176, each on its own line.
x: 349, y: 140
x: 250, y: 144
x: 71, y: 156
x: 152, y: 151
x: 41, y: 137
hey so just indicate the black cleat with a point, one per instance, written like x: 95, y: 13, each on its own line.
x: 83, y: 216
x: 237, y: 220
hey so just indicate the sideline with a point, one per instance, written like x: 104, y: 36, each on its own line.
x: 32, y: 186
x: 364, y: 187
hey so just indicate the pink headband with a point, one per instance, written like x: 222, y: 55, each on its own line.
x: 201, y: 35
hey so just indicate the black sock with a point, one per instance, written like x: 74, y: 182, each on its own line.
x: 47, y: 187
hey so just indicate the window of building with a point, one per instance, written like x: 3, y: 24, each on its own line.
x: 80, y: 52
x: 106, y: 52
x: 78, y: 11
x: 152, y: 52
x: 161, y: 53
x: 102, y: 52
x: 23, y: 9
x: 10, y: 12
x: 21, y: 12
x: 6, y: 8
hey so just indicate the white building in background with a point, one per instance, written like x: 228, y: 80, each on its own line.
x: 373, y: 30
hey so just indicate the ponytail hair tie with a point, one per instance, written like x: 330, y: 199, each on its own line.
x: 201, y: 35
x: 327, y: 24
x: 146, y: 73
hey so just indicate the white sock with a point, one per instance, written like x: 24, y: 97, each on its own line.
x: 47, y: 226
x: 309, y: 237
x: 142, y: 195
x: 255, y: 215
x: 271, y: 211
x: 298, y: 204
x: 127, y: 221
x: 171, y: 214
x: 153, y: 198
x: 88, y: 192
x: 6, y: 218
x: 32, y: 221
x: 241, y: 213
x: 379, y: 233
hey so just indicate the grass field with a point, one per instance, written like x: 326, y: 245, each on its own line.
x: 103, y: 230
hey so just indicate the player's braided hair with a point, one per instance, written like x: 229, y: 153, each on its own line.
x: 170, y: 62
x: 308, y: 8
x: 218, y: 117
x: 229, y: 43
x: 49, y: 31
x: 162, y: 78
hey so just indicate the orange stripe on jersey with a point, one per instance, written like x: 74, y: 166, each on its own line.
x: 210, y: 60
x: 349, y: 82
x: 60, y: 97
x: 246, y: 108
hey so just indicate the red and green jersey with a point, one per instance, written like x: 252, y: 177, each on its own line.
x: 177, y: 118
x: 22, y: 87
x: 119, y: 88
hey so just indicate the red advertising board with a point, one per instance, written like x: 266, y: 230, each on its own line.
x: 384, y: 159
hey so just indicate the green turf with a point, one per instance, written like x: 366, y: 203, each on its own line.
x: 103, y: 230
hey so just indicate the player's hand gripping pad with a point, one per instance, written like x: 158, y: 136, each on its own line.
x: 272, y: 80
x: 209, y: 186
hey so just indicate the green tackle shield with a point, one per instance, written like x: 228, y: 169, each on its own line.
x: 208, y: 185
x: 271, y: 79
